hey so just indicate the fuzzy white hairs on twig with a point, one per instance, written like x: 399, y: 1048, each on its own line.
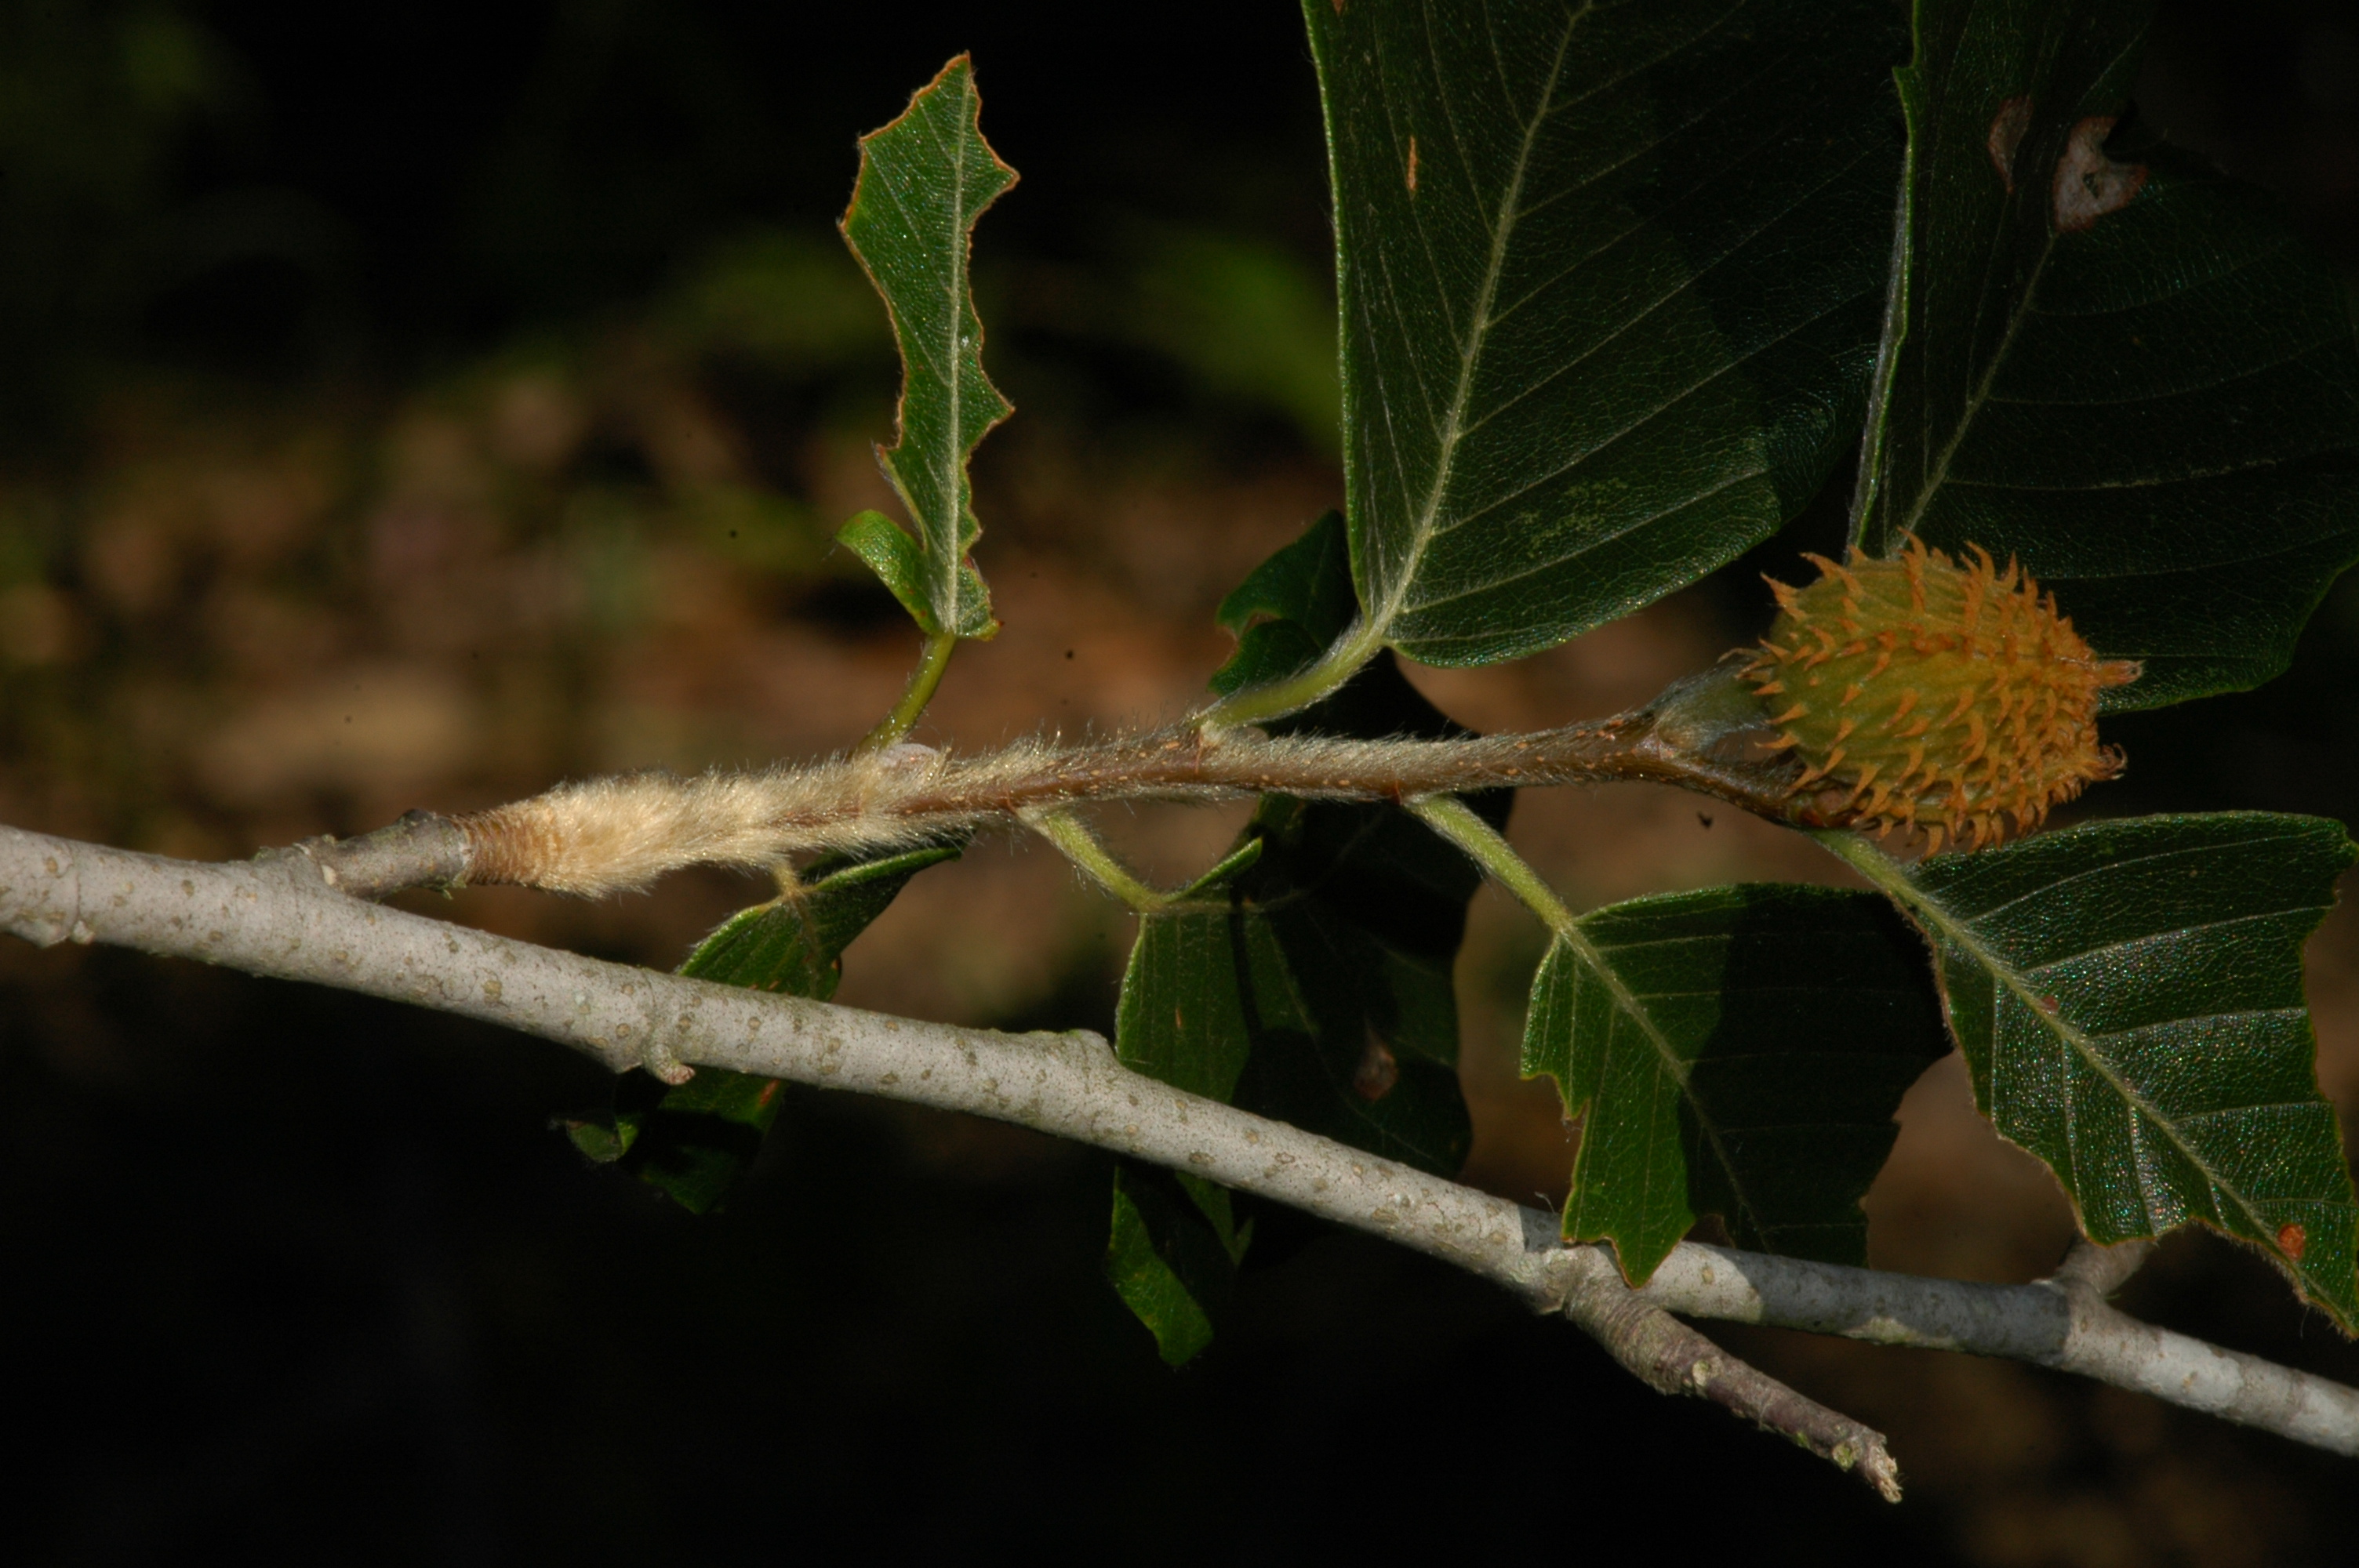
x: 612, y: 835
x: 615, y: 835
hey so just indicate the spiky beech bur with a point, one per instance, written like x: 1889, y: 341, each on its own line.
x: 1947, y: 697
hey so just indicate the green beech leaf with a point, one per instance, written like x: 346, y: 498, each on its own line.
x: 1175, y: 1243
x: 1335, y: 954
x: 1172, y: 1254
x: 1346, y: 926
x: 795, y: 944
x: 696, y: 1141
x: 1738, y: 1050
x: 2154, y: 405
x: 924, y: 180
x: 693, y: 1142
x: 1307, y: 977
x: 2129, y: 996
x: 1169, y: 1024
x: 1345, y: 929
x: 1610, y: 281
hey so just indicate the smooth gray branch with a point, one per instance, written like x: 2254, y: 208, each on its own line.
x: 2063, y: 1322
x: 278, y: 916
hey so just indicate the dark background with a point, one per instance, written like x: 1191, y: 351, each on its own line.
x: 302, y: 1276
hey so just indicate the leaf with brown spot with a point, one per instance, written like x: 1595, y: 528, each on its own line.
x: 2007, y: 128
x: 2089, y: 184
x: 2114, y: 363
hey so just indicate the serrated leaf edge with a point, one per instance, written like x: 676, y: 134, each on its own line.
x: 1574, y: 940
x: 1888, y: 875
x: 948, y: 609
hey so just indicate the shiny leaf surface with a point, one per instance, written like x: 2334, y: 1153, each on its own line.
x: 2129, y: 998
x: 1610, y: 279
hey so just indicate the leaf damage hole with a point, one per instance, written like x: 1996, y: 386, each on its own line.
x: 2292, y: 1240
x: 2089, y: 184
x: 2007, y: 128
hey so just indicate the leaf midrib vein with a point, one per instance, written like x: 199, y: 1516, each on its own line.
x: 2022, y: 311
x: 1962, y: 937
x: 1674, y: 1067
x: 1478, y: 325
x: 954, y: 288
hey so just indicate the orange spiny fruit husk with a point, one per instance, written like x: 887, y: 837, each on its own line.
x: 1948, y: 699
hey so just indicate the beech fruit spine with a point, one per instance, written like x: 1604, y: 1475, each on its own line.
x: 1950, y: 698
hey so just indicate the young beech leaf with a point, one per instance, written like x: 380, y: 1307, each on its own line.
x: 1344, y: 940
x: 1610, y: 279
x: 1306, y: 977
x: 1286, y: 612
x: 2106, y: 359
x: 2128, y: 996
x: 924, y: 180
x: 900, y: 565
x: 1738, y: 1050
x: 1346, y: 929
x: 697, y: 1141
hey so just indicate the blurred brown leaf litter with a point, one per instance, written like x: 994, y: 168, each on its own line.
x: 235, y: 610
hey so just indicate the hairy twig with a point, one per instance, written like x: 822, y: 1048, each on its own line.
x: 279, y: 915
x: 608, y: 835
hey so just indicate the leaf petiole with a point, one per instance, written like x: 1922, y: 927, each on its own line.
x: 1462, y: 826
x: 923, y: 681
x: 1258, y: 704
x: 1074, y: 840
